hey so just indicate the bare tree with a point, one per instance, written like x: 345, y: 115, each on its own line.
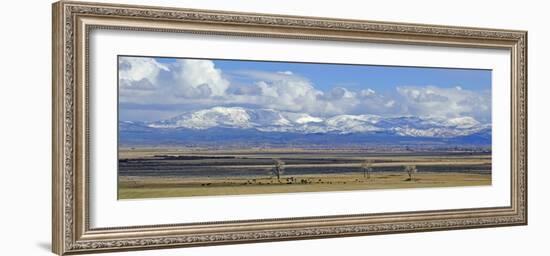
x: 411, y: 171
x: 366, y: 166
x: 278, y: 169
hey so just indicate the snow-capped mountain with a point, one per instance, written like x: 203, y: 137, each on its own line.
x: 269, y: 120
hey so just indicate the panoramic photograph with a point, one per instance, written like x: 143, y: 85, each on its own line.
x: 212, y: 127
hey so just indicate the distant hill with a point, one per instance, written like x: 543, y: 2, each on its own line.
x: 238, y: 126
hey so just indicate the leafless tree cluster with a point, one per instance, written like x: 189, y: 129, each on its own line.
x: 411, y: 171
x: 278, y: 169
x: 366, y: 166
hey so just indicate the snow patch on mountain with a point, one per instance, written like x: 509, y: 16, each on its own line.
x: 269, y: 120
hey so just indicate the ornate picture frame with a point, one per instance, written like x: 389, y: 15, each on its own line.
x: 72, y: 24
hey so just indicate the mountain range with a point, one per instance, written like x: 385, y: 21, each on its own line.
x: 245, y: 126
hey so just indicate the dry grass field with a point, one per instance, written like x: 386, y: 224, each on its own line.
x: 157, y: 173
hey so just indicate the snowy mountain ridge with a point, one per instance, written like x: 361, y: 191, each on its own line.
x: 269, y: 120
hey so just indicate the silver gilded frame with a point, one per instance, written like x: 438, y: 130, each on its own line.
x: 72, y: 23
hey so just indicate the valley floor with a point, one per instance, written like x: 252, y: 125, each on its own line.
x: 154, y: 187
x: 148, y: 173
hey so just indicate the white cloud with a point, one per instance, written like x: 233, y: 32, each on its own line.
x: 288, y: 91
x: 341, y: 93
x: 445, y: 102
x: 287, y: 72
x: 267, y: 90
x: 367, y: 92
x: 146, y: 81
x: 200, y: 78
x: 285, y: 92
x: 390, y: 104
x: 200, y: 84
x: 139, y: 73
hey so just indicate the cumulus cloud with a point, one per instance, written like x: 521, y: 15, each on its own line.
x: 139, y: 73
x: 200, y: 78
x: 200, y: 84
x: 146, y: 81
x: 285, y: 90
x: 341, y: 93
x: 445, y: 102
x: 367, y: 93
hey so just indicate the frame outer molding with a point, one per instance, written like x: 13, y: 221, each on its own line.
x: 71, y: 24
x: 58, y: 214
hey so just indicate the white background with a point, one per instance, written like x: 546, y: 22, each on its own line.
x: 25, y: 128
x: 106, y: 211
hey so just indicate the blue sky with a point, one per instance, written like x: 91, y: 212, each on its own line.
x: 378, y: 78
x: 155, y: 88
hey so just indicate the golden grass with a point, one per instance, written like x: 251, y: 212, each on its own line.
x: 154, y: 187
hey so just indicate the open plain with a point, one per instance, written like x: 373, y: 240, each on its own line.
x: 154, y: 173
